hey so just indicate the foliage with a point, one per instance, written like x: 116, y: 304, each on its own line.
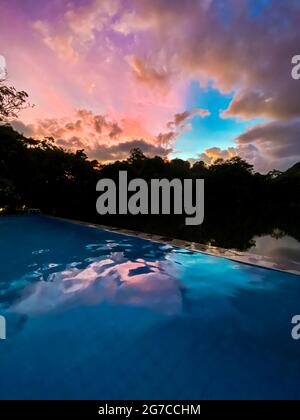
x: 11, y: 101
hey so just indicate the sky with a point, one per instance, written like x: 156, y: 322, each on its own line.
x: 193, y: 79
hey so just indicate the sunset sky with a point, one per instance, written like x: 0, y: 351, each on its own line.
x: 195, y: 79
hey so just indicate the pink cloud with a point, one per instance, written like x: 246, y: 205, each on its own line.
x: 102, y: 137
x: 65, y: 68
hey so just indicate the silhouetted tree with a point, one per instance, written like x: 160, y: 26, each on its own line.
x: 11, y: 101
x: 136, y: 155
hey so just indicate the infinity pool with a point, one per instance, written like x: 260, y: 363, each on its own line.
x: 93, y: 314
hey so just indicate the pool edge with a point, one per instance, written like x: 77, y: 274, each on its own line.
x: 233, y: 255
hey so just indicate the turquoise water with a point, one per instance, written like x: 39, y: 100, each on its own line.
x: 93, y: 314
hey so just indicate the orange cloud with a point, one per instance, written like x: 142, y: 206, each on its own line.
x: 147, y: 74
x: 212, y: 154
x: 100, y: 136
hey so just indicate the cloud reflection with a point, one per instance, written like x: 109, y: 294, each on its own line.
x: 116, y: 280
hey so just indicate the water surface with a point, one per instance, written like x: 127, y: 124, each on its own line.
x: 97, y: 314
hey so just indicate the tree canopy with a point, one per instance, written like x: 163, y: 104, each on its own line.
x: 11, y: 101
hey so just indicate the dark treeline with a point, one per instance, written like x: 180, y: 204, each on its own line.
x: 239, y: 203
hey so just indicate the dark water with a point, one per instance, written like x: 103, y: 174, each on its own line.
x: 96, y: 314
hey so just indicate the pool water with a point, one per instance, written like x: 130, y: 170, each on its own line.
x: 93, y: 314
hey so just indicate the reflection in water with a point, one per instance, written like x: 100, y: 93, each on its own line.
x: 281, y: 249
x: 163, y: 280
x: 115, y: 280
x: 83, y: 266
x: 58, y: 265
x: 55, y: 260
